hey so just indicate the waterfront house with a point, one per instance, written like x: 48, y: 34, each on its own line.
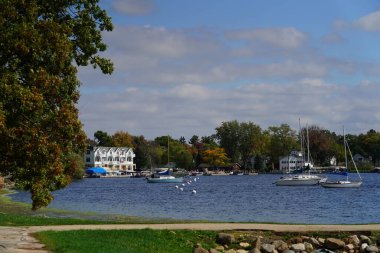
x: 115, y: 160
x: 291, y: 162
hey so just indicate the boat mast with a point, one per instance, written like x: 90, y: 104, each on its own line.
x: 301, y: 142
x: 345, y: 153
x: 168, y: 150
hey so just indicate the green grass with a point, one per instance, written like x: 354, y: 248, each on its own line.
x: 131, y: 241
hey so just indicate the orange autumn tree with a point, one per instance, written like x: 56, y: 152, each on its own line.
x: 42, y: 43
x: 215, y: 156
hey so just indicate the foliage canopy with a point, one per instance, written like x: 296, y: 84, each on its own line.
x: 41, y: 45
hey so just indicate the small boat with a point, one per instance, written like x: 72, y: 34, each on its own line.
x: 345, y: 183
x: 164, y: 177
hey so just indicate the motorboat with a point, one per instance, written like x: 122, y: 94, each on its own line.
x: 164, y: 177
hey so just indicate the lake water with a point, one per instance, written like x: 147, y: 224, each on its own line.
x: 224, y: 198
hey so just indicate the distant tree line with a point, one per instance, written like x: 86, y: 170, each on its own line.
x: 245, y: 143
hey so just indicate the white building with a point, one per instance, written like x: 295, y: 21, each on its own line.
x: 291, y: 162
x: 111, y: 158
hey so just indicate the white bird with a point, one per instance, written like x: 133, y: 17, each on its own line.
x: 183, y: 184
x: 181, y: 189
x: 195, y: 180
x: 176, y: 186
x: 188, y: 182
x: 194, y: 192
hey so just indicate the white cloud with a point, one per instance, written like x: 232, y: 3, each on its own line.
x: 369, y: 23
x: 133, y: 7
x: 286, y: 38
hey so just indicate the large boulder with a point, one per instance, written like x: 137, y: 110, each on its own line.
x: 334, y: 244
x: 308, y: 247
x: 280, y: 245
x: 225, y: 239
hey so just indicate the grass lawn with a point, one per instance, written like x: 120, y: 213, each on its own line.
x: 131, y: 241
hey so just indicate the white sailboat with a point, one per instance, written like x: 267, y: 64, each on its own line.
x: 304, y: 179
x: 345, y: 183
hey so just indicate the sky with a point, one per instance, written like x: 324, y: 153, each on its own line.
x: 183, y: 67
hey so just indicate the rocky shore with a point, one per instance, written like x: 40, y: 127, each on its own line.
x: 245, y: 242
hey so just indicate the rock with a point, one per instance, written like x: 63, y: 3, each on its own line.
x: 224, y: 238
x: 219, y: 248
x: 372, y: 249
x: 289, y: 251
x: 241, y: 251
x: 255, y: 251
x: 230, y: 251
x: 334, y: 244
x: 363, y: 246
x: 314, y: 242
x: 323, y: 251
x: 353, y: 239
x: 349, y: 247
x: 296, y: 240
x: 298, y: 247
x: 321, y: 241
x: 308, y: 247
x: 214, y: 251
x: 267, y: 248
x: 280, y: 245
x: 198, y: 249
x: 365, y: 239
x: 245, y: 245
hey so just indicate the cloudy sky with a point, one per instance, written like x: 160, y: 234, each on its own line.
x: 183, y: 67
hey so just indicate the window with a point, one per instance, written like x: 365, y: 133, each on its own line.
x: 110, y: 159
x: 88, y: 159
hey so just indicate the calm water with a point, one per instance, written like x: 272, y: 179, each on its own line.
x: 224, y: 198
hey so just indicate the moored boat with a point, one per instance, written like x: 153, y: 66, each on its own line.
x: 164, y: 177
x: 345, y: 183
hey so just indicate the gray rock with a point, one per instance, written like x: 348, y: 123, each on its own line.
x: 363, y: 246
x: 365, y: 239
x: 267, y: 248
x: 323, y: 251
x: 334, y: 244
x: 224, y: 238
x: 298, y: 247
x: 372, y: 249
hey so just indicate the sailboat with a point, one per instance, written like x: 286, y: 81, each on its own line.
x: 304, y: 179
x: 345, y: 183
x: 164, y: 175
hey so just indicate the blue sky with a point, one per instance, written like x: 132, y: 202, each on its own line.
x: 184, y: 67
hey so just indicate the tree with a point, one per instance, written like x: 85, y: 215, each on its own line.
x: 103, y: 139
x: 122, y: 139
x: 282, y: 140
x: 228, y: 136
x: 41, y: 45
x: 215, y: 156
